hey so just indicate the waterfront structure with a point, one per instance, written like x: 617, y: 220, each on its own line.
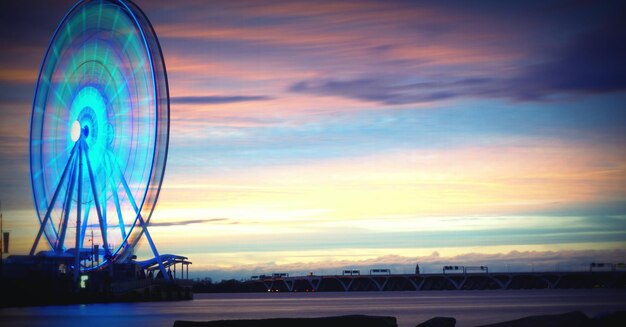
x: 98, y: 149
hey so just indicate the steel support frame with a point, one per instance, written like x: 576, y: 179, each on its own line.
x: 75, y: 166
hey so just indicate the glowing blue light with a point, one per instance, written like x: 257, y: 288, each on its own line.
x: 89, y: 110
x: 103, y: 85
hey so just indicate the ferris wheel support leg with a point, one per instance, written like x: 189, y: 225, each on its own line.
x: 143, y: 224
x: 154, y: 249
x: 83, y: 226
x: 78, y: 203
x: 59, y: 233
x: 68, y: 208
x: 118, y: 208
x: 116, y: 201
x: 67, y: 199
x: 102, y: 222
x: 54, y: 199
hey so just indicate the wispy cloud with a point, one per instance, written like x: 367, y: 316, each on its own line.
x: 27, y: 76
x: 386, y: 92
x: 186, y: 222
x: 169, y: 223
x: 217, y: 99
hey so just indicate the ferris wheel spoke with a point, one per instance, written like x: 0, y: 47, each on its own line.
x: 106, y: 53
x: 45, y: 80
x: 56, y: 51
x: 67, y: 209
x: 116, y: 68
x: 127, y: 41
x: 50, y: 163
x: 99, y: 16
x: 53, y: 161
x: 84, y: 19
x: 53, y: 201
x: 117, y: 92
x: 55, y: 117
x: 84, y: 48
x: 60, y: 98
x: 121, y: 87
x: 68, y: 31
x: 96, y: 200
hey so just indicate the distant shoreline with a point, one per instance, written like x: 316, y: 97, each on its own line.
x: 418, y: 282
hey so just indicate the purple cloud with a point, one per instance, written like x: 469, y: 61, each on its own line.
x: 386, y: 92
x: 593, y: 62
x: 217, y: 99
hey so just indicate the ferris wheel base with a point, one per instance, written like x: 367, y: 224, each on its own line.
x: 47, y: 279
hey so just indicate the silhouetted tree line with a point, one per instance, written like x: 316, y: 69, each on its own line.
x: 226, y: 286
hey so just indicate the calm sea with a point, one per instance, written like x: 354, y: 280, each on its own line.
x: 470, y: 308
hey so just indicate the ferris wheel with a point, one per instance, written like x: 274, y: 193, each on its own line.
x: 99, y: 134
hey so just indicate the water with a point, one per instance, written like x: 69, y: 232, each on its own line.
x: 470, y: 308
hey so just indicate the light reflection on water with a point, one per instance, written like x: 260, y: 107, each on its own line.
x: 470, y: 308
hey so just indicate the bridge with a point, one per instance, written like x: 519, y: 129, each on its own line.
x: 440, y: 281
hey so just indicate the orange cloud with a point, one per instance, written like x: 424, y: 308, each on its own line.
x: 18, y: 75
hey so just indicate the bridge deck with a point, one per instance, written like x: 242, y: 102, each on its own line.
x: 448, y: 281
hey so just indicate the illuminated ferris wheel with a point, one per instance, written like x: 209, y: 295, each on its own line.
x: 99, y: 133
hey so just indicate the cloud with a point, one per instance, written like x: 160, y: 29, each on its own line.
x: 387, y: 91
x: 171, y: 223
x: 592, y: 62
x: 187, y: 222
x: 587, y: 61
x: 19, y: 75
x: 217, y: 99
x: 518, y: 261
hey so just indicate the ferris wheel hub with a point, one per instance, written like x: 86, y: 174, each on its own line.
x: 75, y: 131
x: 90, y: 120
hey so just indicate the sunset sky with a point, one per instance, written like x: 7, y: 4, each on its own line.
x: 313, y: 136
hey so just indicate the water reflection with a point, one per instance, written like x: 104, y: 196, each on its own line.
x: 469, y: 307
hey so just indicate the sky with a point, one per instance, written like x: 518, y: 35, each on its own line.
x: 312, y: 136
